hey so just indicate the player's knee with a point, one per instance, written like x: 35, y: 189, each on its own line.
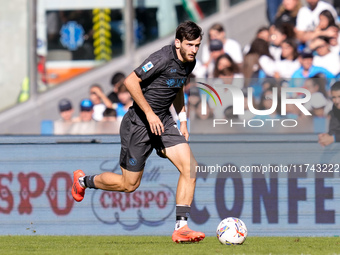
x: 189, y: 177
x: 187, y: 171
x: 192, y: 180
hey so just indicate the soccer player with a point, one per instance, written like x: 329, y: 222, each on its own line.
x: 155, y: 85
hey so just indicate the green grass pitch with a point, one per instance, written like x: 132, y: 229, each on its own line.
x: 106, y: 245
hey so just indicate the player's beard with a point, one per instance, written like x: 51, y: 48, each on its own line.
x: 185, y: 56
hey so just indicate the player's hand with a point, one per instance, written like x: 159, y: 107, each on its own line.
x: 184, y: 130
x: 155, y: 123
x: 325, y: 139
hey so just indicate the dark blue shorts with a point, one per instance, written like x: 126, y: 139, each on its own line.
x: 137, y: 141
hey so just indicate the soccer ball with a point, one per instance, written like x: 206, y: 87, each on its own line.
x: 231, y: 231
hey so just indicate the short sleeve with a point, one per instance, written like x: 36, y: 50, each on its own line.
x: 233, y: 48
x: 304, y: 19
x: 267, y: 65
x: 205, y: 53
x: 153, y: 65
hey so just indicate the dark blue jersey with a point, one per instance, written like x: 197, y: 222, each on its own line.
x: 162, y: 75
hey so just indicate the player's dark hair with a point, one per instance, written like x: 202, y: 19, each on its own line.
x: 336, y: 86
x: 188, y: 30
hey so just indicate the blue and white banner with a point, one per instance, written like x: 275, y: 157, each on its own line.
x: 36, y: 179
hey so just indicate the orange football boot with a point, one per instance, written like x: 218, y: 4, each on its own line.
x: 78, y: 192
x: 185, y: 234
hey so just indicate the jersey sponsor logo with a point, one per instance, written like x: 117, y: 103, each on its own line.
x: 176, y: 83
x: 147, y: 66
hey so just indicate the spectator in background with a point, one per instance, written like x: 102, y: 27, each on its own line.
x: 109, y: 115
x: 288, y: 62
x: 287, y: 12
x: 307, y: 69
x: 262, y: 33
x: 225, y: 67
x: 66, y: 110
x: 333, y: 134
x: 84, y: 123
x: 325, y: 57
x: 256, y: 60
x: 116, y: 81
x: 100, y: 102
x: 318, y: 102
x: 86, y: 111
x: 109, y: 123
x: 126, y: 101
x: 278, y: 34
x: 230, y: 46
x: 216, y: 50
x: 308, y: 20
x: 226, y: 72
x: 326, y: 20
x: 65, y: 123
x: 334, y: 41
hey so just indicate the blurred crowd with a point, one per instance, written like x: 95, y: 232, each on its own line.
x: 99, y: 113
x: 299, y: 49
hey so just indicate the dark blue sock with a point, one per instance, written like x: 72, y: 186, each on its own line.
x: 182, y: 212
x: 89, y: 181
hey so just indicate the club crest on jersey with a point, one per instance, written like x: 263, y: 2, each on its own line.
x: 132, y: 161
x: 147, y: 66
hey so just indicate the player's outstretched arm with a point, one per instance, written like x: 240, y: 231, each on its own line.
x: 132, y: 83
